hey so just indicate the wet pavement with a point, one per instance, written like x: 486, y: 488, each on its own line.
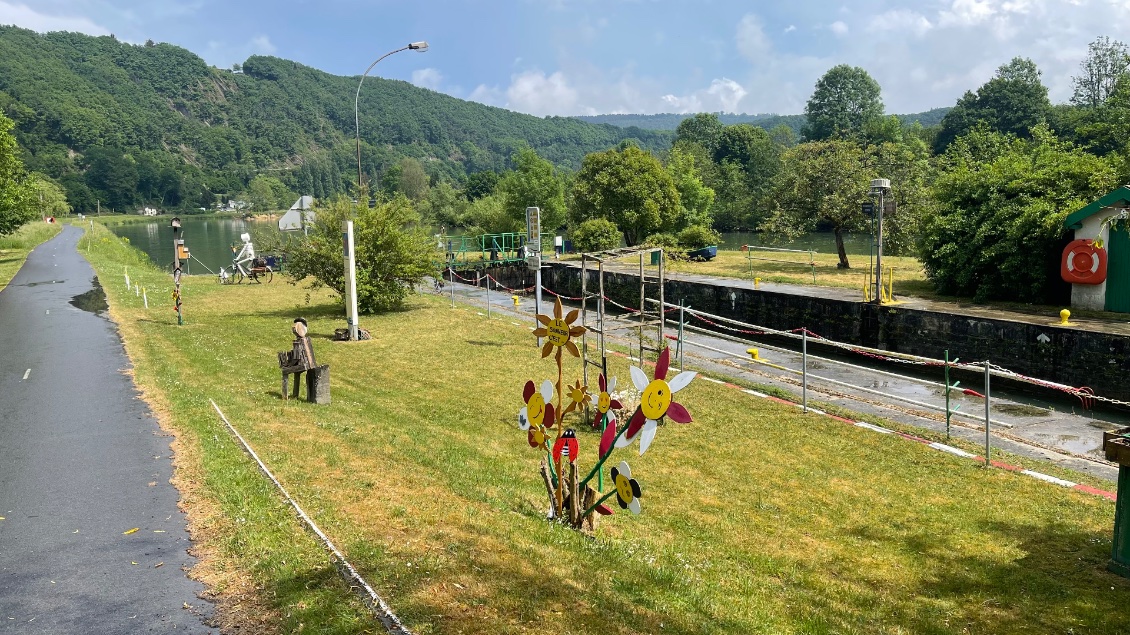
x: 1044, y: 426
x: 91, y: 538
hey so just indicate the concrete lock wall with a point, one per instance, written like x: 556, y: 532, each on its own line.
x: 1100, y: 361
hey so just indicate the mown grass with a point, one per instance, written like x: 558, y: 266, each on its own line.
x: 757, y: 519
x: 15, y: 247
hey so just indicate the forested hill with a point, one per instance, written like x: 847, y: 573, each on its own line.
x: 126, y: 124
x: 670, y: 121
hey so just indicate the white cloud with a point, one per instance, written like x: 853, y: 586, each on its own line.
x: 262, y: 44
x: 839, y: 28
x: 28, y: 18
x: 427, y: 78
x: 901, y: 20
x: 540, y: 94
x: 790, y: 28
x: 752, y: 42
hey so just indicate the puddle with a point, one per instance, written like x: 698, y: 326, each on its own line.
x: 93, y: 301
x: 36, y: 284
x: 1021, y: 410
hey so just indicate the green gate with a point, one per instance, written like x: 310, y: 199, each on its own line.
x: 1118, y: 268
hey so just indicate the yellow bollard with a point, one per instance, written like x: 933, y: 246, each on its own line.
x: 1064, y: 316
x: 756, y: 282
x: 753, y: 354
x: 515, y: 299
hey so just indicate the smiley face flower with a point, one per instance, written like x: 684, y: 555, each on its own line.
x: 605, y: 402
x: 655, y: 402
x: 628, y: 491
x: 558, y: 331
x: 537, y: 414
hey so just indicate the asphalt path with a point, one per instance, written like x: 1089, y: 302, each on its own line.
x: 82, y: 464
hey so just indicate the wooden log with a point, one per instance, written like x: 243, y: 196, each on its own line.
x: 589, y: 498
x: 575, y: 508
x: 318, y: 384
x: 549, y: 488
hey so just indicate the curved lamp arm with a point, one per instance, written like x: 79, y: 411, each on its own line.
x: 415, y: 46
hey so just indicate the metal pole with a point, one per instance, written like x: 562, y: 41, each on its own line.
x: 451, y: 281
x: 804, y: 369
x: 947, y: 395
x: 537, y: 294
x: 680, y: 342
x: 357, y: 115
x: 488, y: 296
x: 988, y: 462
x: 879, y: 254
x: 350, y: 279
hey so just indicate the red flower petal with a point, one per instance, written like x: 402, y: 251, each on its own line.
x: 676, y: 412
x: 550, y: 416
x: 607, y: 438
x: 636, y: 423
x: 530, y: 438
x: 615, y: 405
x: 603, y: 383
x: 603, y: 510
x: 662, y: 363
x: 528, y: 391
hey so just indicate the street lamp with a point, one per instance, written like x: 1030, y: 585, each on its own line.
x: 415, y: 46
x: 879, y: 188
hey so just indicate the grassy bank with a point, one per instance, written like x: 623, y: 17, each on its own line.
x: 15, y: 247
x: 756, y: 518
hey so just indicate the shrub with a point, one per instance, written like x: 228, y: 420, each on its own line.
x: 669, y: 243
x: 597, y: 234
x: 393, y: 253
x: 697, y: 237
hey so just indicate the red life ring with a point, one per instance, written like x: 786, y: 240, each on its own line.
x: 1083, y: 263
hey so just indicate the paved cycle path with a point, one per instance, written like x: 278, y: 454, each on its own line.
x: 82, y: 462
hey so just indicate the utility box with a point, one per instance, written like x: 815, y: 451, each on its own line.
x: 1116, y: 446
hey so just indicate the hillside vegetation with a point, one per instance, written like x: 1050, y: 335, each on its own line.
x: 195, y: 133
x: 671, y: 121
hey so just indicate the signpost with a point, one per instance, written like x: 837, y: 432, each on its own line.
x: 533, y: 260
x: 350, y: 278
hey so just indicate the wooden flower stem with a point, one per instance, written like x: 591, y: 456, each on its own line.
x: 598, y: 503
x: 600, y: 475
x: 560, y: 416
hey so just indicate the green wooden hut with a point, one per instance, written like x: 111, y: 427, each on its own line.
x: 1107, y: 220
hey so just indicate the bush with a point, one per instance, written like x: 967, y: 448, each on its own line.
x: 597, y: 234
x: 393, y: 252
x: 697, y: 237
x: 669, y: 243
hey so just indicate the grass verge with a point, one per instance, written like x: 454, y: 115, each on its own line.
x: 756, y: 518
x: 15, y: 247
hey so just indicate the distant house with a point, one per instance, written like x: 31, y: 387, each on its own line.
x: 1097, y: 262
x: 235, y: 206
x: 148, y: 211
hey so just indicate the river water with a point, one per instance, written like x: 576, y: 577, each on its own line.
x: 209, y: 240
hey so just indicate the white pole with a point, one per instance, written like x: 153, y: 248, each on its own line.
x: 350, y: 279
x: 537, y: 296
x: 804, y: 369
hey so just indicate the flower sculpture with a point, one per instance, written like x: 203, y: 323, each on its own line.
x: 538, y: 413
x: 656, y: 402
x: 627, y: 489
x: 579, y: 397
x: 605, y: 402
x: 559, y: 330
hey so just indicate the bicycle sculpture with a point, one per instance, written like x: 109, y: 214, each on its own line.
x: 247, y: 265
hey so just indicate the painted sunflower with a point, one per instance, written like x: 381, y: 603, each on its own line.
x: 559, y: 330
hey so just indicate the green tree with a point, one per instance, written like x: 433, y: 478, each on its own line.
x: 596, y: 234
x: 753, y: 149
x: 393, y: 252
x: 846, y: 97
x: 823, y: 182
x: 261, y: 195
x: 629, y: 187
x: 704, y: 129
x: 533, y: 182
x: 480, y: 184
x: 735, y: 204
x: 908, y: 167
x: 1013, y: 102
x: 444, y: 207
x: 113, y: 176
x: 48, y: 197
x: 16, y: 206
x: 414, y: 182
x: 1107, y: 61
x: 1001, y: 203
x: 489, y: 215
x: 695, y: 199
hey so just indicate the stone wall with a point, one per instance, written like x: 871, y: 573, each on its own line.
x: 1100, y: 361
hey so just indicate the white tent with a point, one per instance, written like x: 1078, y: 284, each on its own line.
x: 298, y: 215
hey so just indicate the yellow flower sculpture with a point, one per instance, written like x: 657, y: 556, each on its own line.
x: 559, y: 331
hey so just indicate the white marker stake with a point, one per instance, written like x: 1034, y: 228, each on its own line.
x: 26, y: 373
x: 128, y: 285
x: 145, y: 298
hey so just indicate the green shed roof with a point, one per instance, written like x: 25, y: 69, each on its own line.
x: 1075, y: 220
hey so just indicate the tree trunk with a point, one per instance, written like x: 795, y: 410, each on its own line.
x: 843, y: 264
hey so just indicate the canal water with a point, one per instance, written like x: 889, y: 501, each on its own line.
x: 209, y: 240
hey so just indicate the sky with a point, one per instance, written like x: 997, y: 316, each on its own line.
x: 584, y: 57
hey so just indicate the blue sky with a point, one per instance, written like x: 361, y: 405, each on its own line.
x: 566, y: 57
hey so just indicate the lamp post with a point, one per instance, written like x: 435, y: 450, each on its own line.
x: 879, y: 188
x: 415, y: 46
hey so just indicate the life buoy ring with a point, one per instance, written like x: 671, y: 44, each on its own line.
x: 1083, y: 263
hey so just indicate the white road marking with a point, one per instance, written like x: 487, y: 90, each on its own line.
x: 952, y: 450
x: 1050, y: 479
x: 48, y: 312
x: 26, y: 373
x: 879, y: 429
